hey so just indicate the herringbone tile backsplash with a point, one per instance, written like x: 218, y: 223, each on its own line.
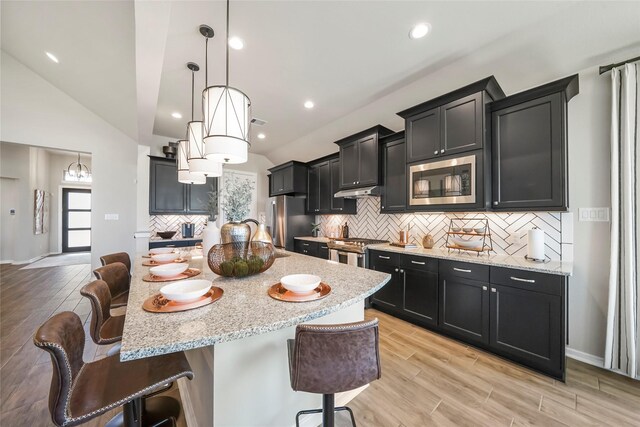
x: 370, y: 223
x: 174, y: 223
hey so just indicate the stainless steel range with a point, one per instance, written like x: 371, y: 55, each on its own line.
x: 352, y: 251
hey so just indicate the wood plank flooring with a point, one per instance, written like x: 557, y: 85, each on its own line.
x: 426, y: 379
x: 27, y: 299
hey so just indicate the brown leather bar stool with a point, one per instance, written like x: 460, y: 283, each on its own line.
x: 330, y: 359
x: 82, y: 391
x: 105, y: 328
x: 117, y: 278
x: 122, y: 257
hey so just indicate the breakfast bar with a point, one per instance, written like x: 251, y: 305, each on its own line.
x: 237, y: 345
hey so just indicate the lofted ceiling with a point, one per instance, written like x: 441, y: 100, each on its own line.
x: 126, y: 60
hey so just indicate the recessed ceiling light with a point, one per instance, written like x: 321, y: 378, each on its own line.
x: 261, y: 136
x: 308, y: 105
x: 52, y: 57
x: 236, y: 43
x: 419, y: 31
x: 176, y: 115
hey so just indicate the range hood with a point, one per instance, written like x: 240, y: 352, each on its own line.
x: 356, y: 193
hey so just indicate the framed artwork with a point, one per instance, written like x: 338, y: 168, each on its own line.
x: 41, y: 212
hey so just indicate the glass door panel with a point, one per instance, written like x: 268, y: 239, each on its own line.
x: 76, y: 220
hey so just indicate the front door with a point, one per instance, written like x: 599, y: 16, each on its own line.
x: 76, y: 220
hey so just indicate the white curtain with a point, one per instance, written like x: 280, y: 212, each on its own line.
x: 623, y: 321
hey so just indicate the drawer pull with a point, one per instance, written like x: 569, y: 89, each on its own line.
x: 461, y: 270
x: 518, y: 279
x: 324, y: 247
x: 383, y: 257
x: 484, y: 288
x: 493, y: 290
x: 417, y: 262
x: 305, y: 244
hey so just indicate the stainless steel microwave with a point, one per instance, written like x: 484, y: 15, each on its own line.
x: 443, y: 182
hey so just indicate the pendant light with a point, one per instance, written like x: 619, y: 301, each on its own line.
x: 198, y: 163
x: 226, y: 115
x: 184, y: 176
x: 78, y: 171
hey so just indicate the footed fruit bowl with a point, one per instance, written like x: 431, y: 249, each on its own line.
x: 240, y: 259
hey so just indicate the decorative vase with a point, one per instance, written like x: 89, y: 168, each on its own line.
x: 427, y: 241
x: 210, y: 237
x: 235, y: 232
x: 314, y: 232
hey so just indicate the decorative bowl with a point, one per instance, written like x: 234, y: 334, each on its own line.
x: 169, y: 270
x: 480, y: 230
x: 469, y: 244
x: 240, y: 259
x: 166, y: 234
x: 300, y: 283
x: 164, y: 258
x: 161, y: 251
x: 456, y: 229
x: 467, y: 229
x: 185, y: 290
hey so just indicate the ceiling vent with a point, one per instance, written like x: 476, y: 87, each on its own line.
x: 258, y: 122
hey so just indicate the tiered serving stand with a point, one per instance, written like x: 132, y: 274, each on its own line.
x: 487, y: 241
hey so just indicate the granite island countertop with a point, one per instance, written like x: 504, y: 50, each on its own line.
x: 561, y: 268
x: 244, y: 310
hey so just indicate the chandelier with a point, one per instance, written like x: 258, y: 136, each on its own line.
x: 78, y: 171
x: 226, y: 115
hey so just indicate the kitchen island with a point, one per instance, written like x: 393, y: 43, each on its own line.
x: 237, y: 345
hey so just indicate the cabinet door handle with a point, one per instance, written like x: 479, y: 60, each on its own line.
x: 402, y: 271
x: 461, y: 270
x: 396, y: 270
x: 435, y: 152
x: 354, y: 182
x: 493, y: 290
x: 305, y: 244
x: 417, y: 262
x: 442, y: 151
x: 383, y: 257
x: 495, y: 203
x: 484, y: 288
x: 281, y: 189
x: 518, y: 279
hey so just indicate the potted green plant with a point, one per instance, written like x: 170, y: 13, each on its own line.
x: 211, y: 233
x: 236, y: 198
x: 315, y: 229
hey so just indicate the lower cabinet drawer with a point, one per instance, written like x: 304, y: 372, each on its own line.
x: 420, y: 263
x: 383, y: 258
x: 306, y: 247
x: 527, y: 280
x: 465, y: 270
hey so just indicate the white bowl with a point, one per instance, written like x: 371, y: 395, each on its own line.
x: 186, y: 290
x: 161, y: 251
x: 169, y: 270
x: 470, y: 244
x: 300, y: 283
x: 163, y: 258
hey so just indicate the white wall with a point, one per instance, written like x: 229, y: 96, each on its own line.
x: 24, y: 169
x: 34, y: 112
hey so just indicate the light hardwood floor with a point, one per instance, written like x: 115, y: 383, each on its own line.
x: 426, y: 379
x: 27, y: 299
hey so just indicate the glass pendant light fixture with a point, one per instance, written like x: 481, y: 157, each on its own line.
x: 184, y: 176
x: 226, y: 115
x: 78, y: 171
x: 198, y: 163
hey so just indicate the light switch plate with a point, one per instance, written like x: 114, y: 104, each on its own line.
x: 593, y: 214
x: 111, y: 217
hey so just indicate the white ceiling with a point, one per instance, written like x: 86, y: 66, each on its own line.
x: 346, y: 56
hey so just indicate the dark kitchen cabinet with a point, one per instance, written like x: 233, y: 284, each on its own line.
x: 288, y: 179
x: 339, y: 205
x: 360, y: 158
x: 313, y: 193
x: 394, y: 192
x: 527, y: 325
x: 305, y: 247
x: 323, y: 251
x: 323, y: 184
x: 464, y: 308
x: 450, y: 124
x: 168, y: 196
x: 421, y: 295
x: 390, y: 297
x: 529, y: 148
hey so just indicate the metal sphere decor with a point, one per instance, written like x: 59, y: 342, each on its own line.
x: 240, y: 259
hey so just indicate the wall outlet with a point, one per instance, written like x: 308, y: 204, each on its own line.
x: 111, y: 217
x: 593, y: 214
x: 12, y: 211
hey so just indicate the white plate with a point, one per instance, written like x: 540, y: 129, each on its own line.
x: 300, y: 283
x: 169, y: 270
x: 155, y: 251
x: 186, y: 290
x: 471, y: 244
x: 165, y: 257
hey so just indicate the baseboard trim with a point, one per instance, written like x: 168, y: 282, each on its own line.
x: 6, y: 261
x: 314, y: 420
x: 29, y: 261
x: 585, y: 357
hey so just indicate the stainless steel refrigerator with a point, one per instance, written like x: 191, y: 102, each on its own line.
x: 287, y: 218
